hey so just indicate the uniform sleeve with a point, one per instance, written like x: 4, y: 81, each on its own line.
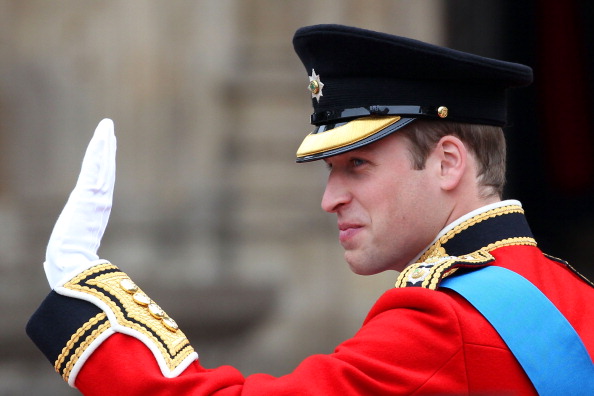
x: 410, y: 342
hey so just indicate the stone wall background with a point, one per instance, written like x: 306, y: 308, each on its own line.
x: 212, y: 216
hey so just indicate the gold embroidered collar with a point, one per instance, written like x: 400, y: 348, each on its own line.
x: 468, y: 244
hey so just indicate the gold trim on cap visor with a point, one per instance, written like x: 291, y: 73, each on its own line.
x: 344, y: 135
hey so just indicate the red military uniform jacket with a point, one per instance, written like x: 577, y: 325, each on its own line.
x: 105, y: 338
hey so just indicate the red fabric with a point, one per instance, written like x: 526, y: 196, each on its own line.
x: 414, y: 342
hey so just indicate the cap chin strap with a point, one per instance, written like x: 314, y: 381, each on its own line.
x: 338, y: 115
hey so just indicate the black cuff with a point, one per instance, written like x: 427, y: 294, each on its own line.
x: 53, y: 324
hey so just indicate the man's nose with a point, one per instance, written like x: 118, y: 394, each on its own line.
x: 335, y: 195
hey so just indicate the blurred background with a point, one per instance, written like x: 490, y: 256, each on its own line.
x: 212, y: 217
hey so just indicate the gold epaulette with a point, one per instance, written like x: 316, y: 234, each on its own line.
x: 126, y: 309
x: 429, y: 273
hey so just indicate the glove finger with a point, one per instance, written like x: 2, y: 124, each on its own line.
x: 97, y: 179
x: 80, y: 227
x: 97, y: 172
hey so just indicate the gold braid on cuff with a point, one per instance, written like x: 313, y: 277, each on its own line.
x: 132, y: 309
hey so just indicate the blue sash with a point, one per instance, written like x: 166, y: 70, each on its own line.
x: 542, y: 340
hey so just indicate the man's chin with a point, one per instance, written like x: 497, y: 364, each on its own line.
x: 365, y: 266
x: 359, y: 267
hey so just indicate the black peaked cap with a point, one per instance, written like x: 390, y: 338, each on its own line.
x: 377, y: 72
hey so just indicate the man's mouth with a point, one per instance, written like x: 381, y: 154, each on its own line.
x: 346, y: 231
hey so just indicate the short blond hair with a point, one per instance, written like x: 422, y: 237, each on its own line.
x: 485, y: 142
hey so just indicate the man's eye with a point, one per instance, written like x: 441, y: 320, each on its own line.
x: 357, y: 162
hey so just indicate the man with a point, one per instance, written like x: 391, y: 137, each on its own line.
x: 411, y: 134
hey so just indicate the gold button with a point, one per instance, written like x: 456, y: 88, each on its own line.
x: 141, y: 299
x: 156, y: 311
x: 442, y: 111
x: 129, y: 286
x: 170, y: 324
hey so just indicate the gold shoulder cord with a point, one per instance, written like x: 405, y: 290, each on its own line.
x: 435, y: 268
x: 132, y: 308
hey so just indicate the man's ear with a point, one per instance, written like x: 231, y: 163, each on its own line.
x: 452, y: 155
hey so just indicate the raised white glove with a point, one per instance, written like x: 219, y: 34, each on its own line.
x: 72, y: 247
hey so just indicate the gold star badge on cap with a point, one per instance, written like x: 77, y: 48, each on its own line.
x: 315, y: 85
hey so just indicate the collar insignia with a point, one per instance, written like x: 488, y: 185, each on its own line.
x: 315, y: 85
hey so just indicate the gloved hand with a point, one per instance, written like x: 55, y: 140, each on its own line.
x: 73, y: 244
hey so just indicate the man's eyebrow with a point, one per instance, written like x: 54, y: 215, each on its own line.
x: 359, y: 150
x: 364, y: 149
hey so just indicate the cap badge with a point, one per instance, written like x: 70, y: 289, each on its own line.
x: 442, y: 112
x: 315, y: 85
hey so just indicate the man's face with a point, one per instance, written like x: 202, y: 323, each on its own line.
x: 387, y: 211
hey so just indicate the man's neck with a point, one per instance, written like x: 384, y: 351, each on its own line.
x: 465, y: 217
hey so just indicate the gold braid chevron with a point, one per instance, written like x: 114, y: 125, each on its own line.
x: 133, y: 309
x: 435, y: 264
x: 78, y: 342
